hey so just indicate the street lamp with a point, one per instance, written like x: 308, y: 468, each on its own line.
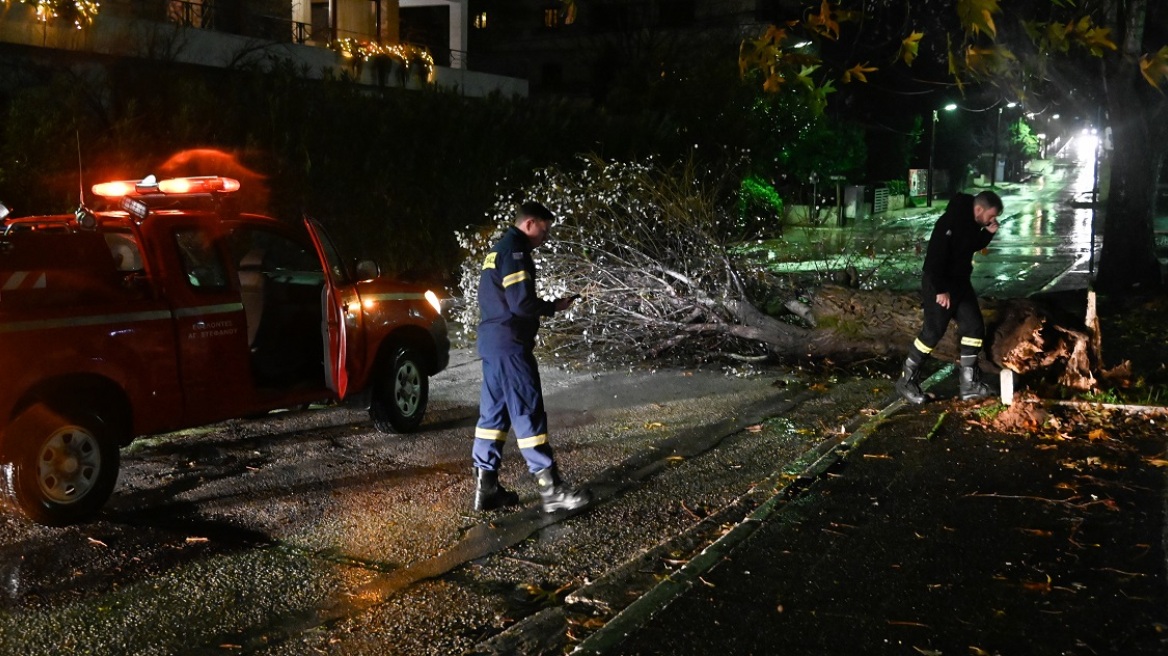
x: 997, y: 131
x: 932, y: 150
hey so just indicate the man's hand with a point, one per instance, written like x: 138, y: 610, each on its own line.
x: 992, y: 226
x: 565, y: 302
x: 943, y: 300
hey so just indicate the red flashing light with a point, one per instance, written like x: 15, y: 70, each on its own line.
x: 175, y: 186
x: 198, y: 185
x: 114, y: 189
x: 194, y: 185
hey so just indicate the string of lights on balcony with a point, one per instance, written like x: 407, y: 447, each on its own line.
x: 403, y: 53
x: 81, y: 12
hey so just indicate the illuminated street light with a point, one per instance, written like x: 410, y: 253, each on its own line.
x: 932, y: 150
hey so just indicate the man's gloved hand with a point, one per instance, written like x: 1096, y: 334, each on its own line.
x: 565, y: 302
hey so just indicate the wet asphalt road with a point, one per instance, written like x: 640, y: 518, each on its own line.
x: 308, y: 532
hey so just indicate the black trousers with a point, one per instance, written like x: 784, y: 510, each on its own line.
x: 964, y: 308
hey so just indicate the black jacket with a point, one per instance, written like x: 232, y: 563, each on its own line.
x: 509, y: 309
x: 956, y: 237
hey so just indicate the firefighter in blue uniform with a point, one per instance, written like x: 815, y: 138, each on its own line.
x: 966, y: 227
x: 511, y: 396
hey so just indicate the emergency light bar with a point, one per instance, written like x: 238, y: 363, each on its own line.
x: 205, y: 184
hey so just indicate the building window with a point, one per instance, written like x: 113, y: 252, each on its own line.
x: 190, y: 14
x: 322, y: 31
x: 551, y: 17
x: 480, y: 21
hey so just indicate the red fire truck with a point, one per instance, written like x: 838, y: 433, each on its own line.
x: 173, y: 310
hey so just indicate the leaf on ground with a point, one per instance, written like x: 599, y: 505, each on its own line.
x: 1036, y: 532
x: 756, y: 428
x: 1156, y: 462
x: 650, y: 425
x: 591, y: 623
x: 1097, y: 434
x: 1038, y: 586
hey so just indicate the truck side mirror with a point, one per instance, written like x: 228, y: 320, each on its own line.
x: 367, y: 270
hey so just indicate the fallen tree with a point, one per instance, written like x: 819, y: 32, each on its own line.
x: 654, y: 254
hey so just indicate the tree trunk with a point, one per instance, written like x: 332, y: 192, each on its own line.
x: 1023, y: 335
x: 1128, y: 260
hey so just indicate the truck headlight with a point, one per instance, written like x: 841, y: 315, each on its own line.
x: 432, y: 298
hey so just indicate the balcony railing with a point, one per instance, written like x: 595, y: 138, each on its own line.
x: 234, y: 20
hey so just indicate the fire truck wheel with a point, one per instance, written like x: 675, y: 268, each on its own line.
x: 402, y: 391
x: 58, y: 469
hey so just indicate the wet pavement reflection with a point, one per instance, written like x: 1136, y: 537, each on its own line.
x: 1045, y: 240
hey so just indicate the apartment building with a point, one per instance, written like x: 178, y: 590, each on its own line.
x: 321, y: 37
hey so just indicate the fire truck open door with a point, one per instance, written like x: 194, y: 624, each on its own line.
x: 336, y: 309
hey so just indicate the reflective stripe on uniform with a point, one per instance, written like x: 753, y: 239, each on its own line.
x: 528, y: 442
x: 920, y: 346
x: 970, y: 341
x: 490, y: 434
x: 518, y: 276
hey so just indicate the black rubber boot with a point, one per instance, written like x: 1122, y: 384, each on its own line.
x: 489, y: 495
x: 556, y: 495
x: 907, y: 386
x: 970, y: 386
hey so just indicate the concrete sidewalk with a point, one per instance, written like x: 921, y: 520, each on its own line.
x: 937, y: 534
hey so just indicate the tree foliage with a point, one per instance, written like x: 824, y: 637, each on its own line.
x: 649, y: 248
x: 1100, y: 57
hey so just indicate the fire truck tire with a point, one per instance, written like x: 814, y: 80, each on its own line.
x: 58, y: 469
x: 402, y: 391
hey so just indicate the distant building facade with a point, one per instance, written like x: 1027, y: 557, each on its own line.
x: 318, y: 36
x: 534, y: 40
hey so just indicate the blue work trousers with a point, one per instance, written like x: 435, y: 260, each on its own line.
x: 511, y: 398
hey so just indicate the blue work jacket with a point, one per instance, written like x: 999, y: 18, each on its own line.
x: 509, y: 309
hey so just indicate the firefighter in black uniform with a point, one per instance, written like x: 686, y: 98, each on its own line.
x: 511, y: 395
x: 967, y: 226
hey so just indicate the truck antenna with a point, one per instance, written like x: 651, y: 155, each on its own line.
x: 80, y: 172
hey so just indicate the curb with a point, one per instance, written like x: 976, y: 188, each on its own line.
x: 636, y: 614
